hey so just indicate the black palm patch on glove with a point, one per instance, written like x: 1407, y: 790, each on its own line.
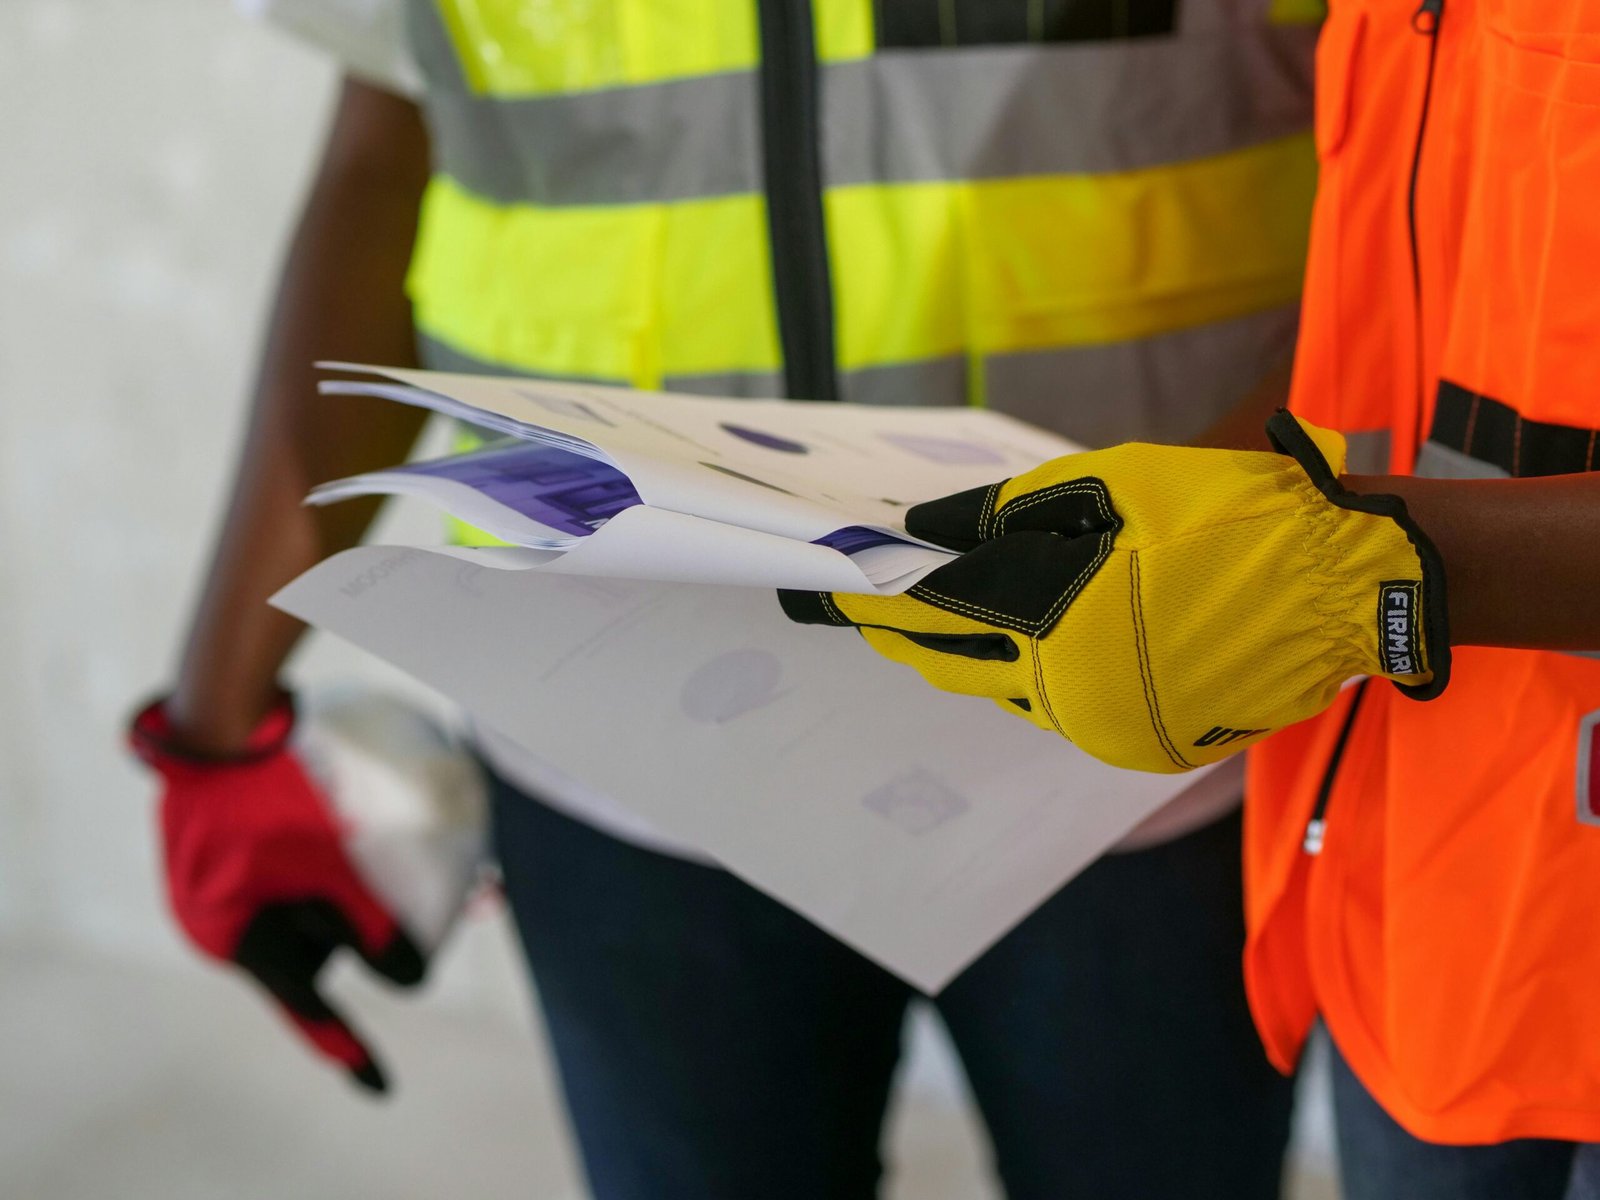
x: 1021, y: 566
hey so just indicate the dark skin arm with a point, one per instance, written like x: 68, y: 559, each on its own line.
x: 1521, y: 556
x: 341, y: 296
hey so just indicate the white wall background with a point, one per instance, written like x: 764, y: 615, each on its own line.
x: 151, y: 152
x: 152, y: 157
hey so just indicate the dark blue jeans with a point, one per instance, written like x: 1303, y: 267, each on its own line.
x: 715, y: 1046
x: 1378, y: 1160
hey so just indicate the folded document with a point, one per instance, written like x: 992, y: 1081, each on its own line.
x: 765, y: 493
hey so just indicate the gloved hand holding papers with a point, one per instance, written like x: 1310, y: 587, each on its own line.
x: 916, y: 826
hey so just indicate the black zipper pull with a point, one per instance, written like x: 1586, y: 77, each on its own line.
x: 1426, y: 19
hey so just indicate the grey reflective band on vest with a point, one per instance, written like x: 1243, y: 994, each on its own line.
x: 1167, y: 388
x: 1585, y: 756
x: 1367, y: 453
x: 985, y: 112
x: 675, y: 140
x: 1438, y: 461
x: 736, y: 385
x: 935, y: 382
x: 1145, y: 390
x: 997, y: 112
x: 431, y: 47
x: 681, y: 140
x: 437, y: 355
x: 941, y: 381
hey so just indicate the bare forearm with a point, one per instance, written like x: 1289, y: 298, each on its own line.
x: 1521, y: 556
x: 341, y: 296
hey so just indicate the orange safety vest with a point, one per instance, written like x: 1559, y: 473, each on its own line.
x: 1448, y: 929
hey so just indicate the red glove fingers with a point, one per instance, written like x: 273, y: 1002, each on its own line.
x: 285, y: 946
x: 257, y: 876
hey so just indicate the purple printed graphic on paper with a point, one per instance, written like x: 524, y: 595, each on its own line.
x: 768, y: 441
x: 918, y: 802
x: 855, y: 538
x: 576, y: 495
x: 566, y: 491
x: 731, y: 685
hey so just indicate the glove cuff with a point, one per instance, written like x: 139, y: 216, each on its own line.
x: 1408, y: 602
x: 151, y: 738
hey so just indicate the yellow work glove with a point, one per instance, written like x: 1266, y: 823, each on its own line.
x: 1164, y: 606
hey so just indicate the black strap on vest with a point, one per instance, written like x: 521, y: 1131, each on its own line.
x: 791, y: 148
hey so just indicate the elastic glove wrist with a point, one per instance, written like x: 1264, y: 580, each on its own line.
x: 152, y: 738
x: 1366, y: 537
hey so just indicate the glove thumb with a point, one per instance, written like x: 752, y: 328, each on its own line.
x: 330, y: 1035
x: 1329, y: 444
x: 398, y: 960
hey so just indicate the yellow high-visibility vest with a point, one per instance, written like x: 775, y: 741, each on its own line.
x: 1091, y: 215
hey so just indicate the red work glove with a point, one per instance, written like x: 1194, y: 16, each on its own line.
x: 257, y: 877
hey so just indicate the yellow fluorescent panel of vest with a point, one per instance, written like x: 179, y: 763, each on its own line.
x: 635, y: 293
x: 644, y: 291
x: 512, y: 48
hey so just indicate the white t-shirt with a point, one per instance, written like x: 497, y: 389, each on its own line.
x: 368, y: 38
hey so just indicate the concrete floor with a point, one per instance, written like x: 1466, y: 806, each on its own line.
x: 139, y: 1082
